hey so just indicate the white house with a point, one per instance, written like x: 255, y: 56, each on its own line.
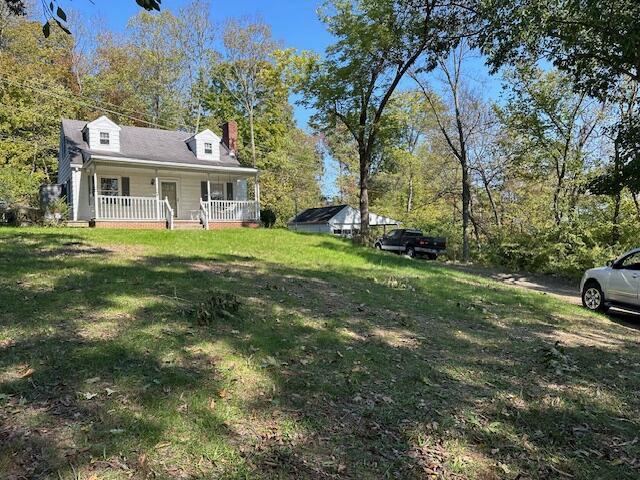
x: 149, y: 178
x: 337, y: 219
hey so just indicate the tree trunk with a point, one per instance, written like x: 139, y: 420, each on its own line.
x: 615, y: 230
x: 410, y: 197
x: 253, y: 138
x: 466, y: 205
x: 487, y: 188
x: 364, y: 195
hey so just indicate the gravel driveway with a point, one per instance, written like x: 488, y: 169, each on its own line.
x: 558, y: 287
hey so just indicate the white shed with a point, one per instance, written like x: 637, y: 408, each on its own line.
x: 337, y: 220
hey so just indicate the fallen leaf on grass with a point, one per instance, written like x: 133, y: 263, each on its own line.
x: 109, y: 391
x: 89, y: 395
x: 212, y: 404
x: 92, y: 380
x: 269, y: 361
x: 27, y: 373
x: 116, y: 431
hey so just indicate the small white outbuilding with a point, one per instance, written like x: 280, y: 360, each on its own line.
x: 337, y: 219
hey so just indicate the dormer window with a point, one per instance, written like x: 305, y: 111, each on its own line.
x: 208, y: 148
x: 104, y: 138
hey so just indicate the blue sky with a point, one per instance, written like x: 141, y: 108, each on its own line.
x: 294, y: 22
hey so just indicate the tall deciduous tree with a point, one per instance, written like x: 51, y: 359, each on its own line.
x: 248, y: 51
x: 595, y: 42
x: 459, y: 126
x: 558, y: 127
x: 378, y: 41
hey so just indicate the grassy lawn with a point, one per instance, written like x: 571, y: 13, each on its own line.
x: 341, y: 362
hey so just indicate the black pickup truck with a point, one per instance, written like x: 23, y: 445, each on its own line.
x: 412, y: 243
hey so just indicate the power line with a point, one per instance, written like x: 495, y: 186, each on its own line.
x: 84, y: 103
x: 120, y: 107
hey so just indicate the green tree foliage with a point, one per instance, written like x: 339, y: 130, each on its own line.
x: 251, y: 82
x: 35, y: 84
x: 378, y: 42
x: 597, y: 42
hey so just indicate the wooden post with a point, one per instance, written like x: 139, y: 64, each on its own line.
x: 257, y: 195
x: 95, y: 193
x: 158, y: 214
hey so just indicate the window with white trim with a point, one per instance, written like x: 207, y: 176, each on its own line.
x: 208, y: 148
x: 104, y: 138
x: 109, y: 187
x: 217, y: 191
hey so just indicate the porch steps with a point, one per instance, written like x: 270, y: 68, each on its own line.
x: 187, y: 225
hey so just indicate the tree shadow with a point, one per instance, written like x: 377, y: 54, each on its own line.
x: 416, y: 373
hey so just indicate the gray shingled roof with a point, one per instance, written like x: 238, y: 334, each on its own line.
x: 318, y: 215
x: 143, y: 144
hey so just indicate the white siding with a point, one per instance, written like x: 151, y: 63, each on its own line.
x: 312, y: 228
x: 103, y: 125
x: 345, y: 218
x: 196, y: 145
x: 74, y: 194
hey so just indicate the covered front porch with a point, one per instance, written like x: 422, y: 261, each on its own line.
x: 122, y: 195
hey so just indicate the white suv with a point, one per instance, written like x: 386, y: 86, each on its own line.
x: 616, y: 285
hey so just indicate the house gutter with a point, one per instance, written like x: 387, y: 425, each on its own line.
x: 135, y: 161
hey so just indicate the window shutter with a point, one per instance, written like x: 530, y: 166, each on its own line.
x: 125, y: 187
x: 229, y: 191
x: 203, y: 191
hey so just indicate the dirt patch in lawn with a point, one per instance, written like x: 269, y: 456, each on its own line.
x: 83, y: 249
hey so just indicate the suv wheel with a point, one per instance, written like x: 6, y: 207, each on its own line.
x: 593, y: 298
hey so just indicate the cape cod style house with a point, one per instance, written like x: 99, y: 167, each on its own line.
x: 121, y: 176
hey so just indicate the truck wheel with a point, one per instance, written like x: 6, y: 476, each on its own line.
x: 379, y: 246
x: 593, y: 298
x: 411, y: 252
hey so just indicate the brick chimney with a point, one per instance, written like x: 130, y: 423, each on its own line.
x: 230, y: 135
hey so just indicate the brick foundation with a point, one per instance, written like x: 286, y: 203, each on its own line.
x: 221, y: 225
x: 161, y: 225
x: 140, y: 225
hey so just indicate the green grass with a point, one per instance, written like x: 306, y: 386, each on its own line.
x: 342, y: 362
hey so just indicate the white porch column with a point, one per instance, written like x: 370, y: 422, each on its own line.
x: 257, y: 196
x: 157, y: 184
x: 209, y: 208
x: 76, y: 176
x: 95, y: 193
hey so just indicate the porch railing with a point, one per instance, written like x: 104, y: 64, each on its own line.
x: 232, y: 211
x: 129, y: 208
x: 168, y: 212
x: 203, y: 214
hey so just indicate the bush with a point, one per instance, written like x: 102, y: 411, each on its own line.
x: 565, y: 250
x: 268, y: 218
x: 55, y: 212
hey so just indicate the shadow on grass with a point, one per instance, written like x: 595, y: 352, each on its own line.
x: 381, y: 375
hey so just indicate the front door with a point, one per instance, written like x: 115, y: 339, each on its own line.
x: 625, y: 280
x: 170, y: 190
